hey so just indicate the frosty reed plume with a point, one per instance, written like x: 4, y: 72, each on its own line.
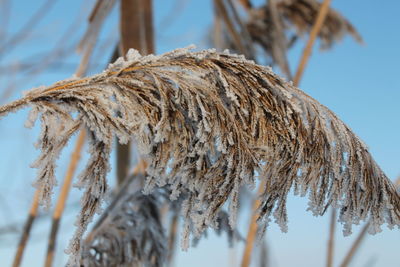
x: 209, y: 123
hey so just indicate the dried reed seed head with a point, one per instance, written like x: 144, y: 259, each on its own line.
x: 299, y: 15
x: 208, y: 124
x: 302, y: 14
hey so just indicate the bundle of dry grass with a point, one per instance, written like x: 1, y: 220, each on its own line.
x: 209, y: 123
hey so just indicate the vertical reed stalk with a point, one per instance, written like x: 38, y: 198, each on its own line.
x: 331, y: 241
x: 251, y: 234
x: 173, y: 232
x: 27, y: 229
x: 136, y: 30
x: 323, y: 11
x: 350, y: 254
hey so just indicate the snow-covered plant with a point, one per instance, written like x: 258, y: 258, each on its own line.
x: 209, y: 123
x: 130, y: 235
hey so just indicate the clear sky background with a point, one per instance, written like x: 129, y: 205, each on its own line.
x: 359, y: 83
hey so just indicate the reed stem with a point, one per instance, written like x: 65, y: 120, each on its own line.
x: 323, y: 11
x: 27, y: 229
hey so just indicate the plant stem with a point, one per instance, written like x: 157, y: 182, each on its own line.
x: 251, y: 234
x: 27, y: 229
x: 323, y: 11
x: 173, y: 232
x: 331, y: 241
x: 350, y: 254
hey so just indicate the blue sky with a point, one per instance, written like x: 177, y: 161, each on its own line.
x: 359, y: 83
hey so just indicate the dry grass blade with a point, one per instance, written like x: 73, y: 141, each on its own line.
x: 27, y: 230
x: 209, y: 123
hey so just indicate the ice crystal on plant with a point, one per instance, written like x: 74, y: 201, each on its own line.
x: 210, y: 123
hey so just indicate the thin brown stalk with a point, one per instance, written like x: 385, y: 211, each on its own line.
x: 27, y: 229
x: 59, y: 209
x: 173, y: 232
x: 251, y: 234
x: 331, y: 241
x: 323, y: 11
x: 148, y: 26
x: 95, y: 10
x: 352, y: 251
